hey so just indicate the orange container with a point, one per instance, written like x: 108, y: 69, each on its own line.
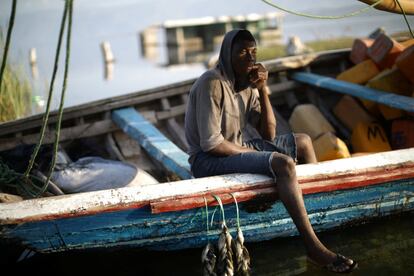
x: 369, y: 137
x: 360, y: 73
x: 384, y: 51
x: 405, y: 62
x: 402, y: 134
x: 350, y: 112
x: 359, y: 49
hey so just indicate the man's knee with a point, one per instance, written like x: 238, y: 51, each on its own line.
x: 283, y: 165
x: 303, y: 141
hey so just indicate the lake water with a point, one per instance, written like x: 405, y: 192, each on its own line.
x: 118, y: 22
x: 382, y: 247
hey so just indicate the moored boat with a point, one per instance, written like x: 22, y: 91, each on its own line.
x: 145, y: 128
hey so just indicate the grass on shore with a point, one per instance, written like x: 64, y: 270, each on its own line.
x: 15, y: 94
x: 265, y: 53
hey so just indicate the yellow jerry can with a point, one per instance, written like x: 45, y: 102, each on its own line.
x: 360, y: 73
x: 329, y: 147
x: 369, y: 137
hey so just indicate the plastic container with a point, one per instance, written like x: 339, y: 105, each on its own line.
x: 329, y: 147
x: 360, y: 73
x: 350, y: 112
x: 359, y: 49
x: 384, y: 51
x: 402, y: 134
x: 306, y: 118
x: 369, y: 137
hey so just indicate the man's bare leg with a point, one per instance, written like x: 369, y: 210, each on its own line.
x: 291, y: 196
x: 304, y: 147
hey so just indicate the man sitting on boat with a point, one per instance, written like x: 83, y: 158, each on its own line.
x: 221, y: 103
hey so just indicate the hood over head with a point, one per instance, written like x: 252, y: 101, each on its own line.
x: 224, y: 62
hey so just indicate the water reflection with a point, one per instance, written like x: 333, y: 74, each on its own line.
x: 33, y: 63
x: 109, y: 60
x: 383, y: 247
x: 195, y: 40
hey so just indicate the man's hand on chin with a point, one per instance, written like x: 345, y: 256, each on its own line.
x: 258, y: 76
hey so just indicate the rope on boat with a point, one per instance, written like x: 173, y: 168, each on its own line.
x: 62, y: 97
x: 27, y: 187
x: 8, y: 38
x: 405, y: 18
x: 323, y: 16
x: 340, y: 16
x: 208, y: 255
x: 66, y: 13
x: 208, y: 230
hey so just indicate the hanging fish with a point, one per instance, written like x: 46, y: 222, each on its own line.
x: 241, y: 256
x: 225, y: 253
x: 208, y: 260
x: 208, y: 256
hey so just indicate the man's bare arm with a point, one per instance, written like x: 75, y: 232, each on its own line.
x: 227, y: 148
x: 267, y: 127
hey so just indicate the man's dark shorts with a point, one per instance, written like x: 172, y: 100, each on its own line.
x: 206, y: 164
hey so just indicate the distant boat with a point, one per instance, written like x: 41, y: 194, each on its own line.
x: 170, y: 215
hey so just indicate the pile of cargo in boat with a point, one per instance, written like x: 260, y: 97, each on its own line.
x: 381, y: 63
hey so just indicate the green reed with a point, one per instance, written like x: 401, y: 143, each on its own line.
x: 15, y: 96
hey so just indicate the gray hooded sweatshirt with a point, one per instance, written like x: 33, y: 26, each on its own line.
x: 215, y: 111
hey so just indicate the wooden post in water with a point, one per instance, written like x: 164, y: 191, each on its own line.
x: 33, y: 63
x: 108, y: 60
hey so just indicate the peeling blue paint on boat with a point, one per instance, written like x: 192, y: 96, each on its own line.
x: 187, y: 229
x: 389, y: 99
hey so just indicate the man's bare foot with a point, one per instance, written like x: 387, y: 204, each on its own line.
x: 331, y: 261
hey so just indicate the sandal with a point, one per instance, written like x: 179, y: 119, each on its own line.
x: 340, y: 262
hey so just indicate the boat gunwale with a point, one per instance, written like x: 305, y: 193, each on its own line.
x: 90, y: 203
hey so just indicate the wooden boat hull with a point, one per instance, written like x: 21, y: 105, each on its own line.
x: 187, y: 229
x: 336, y: 193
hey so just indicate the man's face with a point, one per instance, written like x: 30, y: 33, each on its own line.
x: 243, y: 57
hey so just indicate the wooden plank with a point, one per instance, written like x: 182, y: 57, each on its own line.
x: 99, y: 106
x: 284, y: 86
x: 69, y: 133
x: 308, y: 186
x: 389, y: 99
x: 158, y: 207
x: 153, y: 141
x: 172, y: 112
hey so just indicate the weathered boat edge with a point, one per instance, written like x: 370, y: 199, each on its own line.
x: 134, y: 197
